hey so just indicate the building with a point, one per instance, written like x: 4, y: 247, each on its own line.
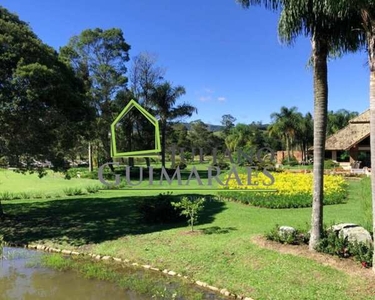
x: 350, y: 146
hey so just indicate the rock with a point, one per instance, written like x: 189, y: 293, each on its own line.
x: 75, y: 253
x: 165, y: 271
x: 286, y: 230
x: 146, y: 266
x: 135, y: 264
x: 117, y: 259
x: 173, y: 273
x: 200, y: 283
x: 155, y: 269
x: 213, y: 288
x: 97, y: 257
x: 353, y: 232
x: 357, y: 234
x: 106, y: 257
x: 126, y: 260
x: 66, y: 252
x: 339, y: 227
x: 40, y: 247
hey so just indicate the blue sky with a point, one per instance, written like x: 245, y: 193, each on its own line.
x: 229, y: 59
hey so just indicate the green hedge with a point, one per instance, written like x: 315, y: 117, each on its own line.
x: 275, y: 200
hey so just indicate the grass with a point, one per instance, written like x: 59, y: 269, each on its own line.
x: 52, y: 183
x: 223, y: 255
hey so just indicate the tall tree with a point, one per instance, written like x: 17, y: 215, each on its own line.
x: 285, y: 125
x: 164, y: 101
x: 100, y: 57
x: 362, y: 15
x: 144, y: 75
x: 305, y: 135
x: 338, y: 120
x: 228, y: 122
x: 42, y: 103
x: 329, y: 32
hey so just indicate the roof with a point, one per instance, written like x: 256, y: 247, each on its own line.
x: 362, y: 118
x: 347, y: 137
x: 356, y: 131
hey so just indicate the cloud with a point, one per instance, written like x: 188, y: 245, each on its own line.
x: 205, y: 98
x: 208, y: 94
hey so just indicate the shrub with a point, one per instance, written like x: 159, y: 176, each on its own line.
x: 158, y: 209
x: 92, y: 189
x: 73, y: 191
x: 330, y: 164
x: 38, y: 195
x: 7, y: 196
x: 180, y: 164
x: 291, y: 161
x: 362, y: 253
x: 289, y: 190
x: 297, y: 237
x: 190, y: 208
x: 335, y: 244
x: 25, y: 195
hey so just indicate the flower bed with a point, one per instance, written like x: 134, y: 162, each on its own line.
x: 289, y: 190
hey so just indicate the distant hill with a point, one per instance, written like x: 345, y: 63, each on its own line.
x: 215, y: 128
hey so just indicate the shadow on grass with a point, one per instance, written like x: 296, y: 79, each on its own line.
x: 80, y: 221
x: 217, y: 230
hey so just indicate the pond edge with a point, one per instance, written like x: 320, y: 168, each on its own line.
x: 98, y: 257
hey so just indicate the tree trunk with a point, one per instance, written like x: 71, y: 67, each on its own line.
x: 1, y: 210
x: 320, y: 53
x: 90, y: 158
x: 163, y: 141
x: 371, y: 51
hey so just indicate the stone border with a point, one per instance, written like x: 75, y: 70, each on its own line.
x: 202, y: 284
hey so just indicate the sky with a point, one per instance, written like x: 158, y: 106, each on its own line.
x: 229, y: 59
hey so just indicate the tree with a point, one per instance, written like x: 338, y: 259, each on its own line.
x: 99, y: 57
x: 362, y: 15
x: 329, y: 32
x: 228, y: 122
x: 304, y: 135
x: 201, y: 137
x: 144, y: 75
x: 163, y: 100
x: 285, y: 126
x: 190, y: 209
x: 42, y: 103
x: 338, y: 120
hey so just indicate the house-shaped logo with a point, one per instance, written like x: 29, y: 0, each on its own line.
x: 115, y: 153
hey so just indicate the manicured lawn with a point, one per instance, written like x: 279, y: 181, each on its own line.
x: 52, y: 183
x: 223, y: 255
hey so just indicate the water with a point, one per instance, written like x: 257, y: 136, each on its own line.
x: 22, y: 279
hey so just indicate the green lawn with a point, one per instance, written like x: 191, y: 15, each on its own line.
x: 52, y: 183
x: 224, y: 256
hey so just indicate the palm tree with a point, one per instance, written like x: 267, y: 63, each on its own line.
x: 329, y: 32
x: 163, y: 99
x: 285, y: 125
x: 305, y: 135
x: 362, y: 13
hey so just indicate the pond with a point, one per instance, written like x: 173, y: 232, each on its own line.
x: 22, y: 278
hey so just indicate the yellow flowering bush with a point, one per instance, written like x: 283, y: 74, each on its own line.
x: 288, y: 190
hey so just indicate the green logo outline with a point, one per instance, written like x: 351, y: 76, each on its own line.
x: 144, y: 153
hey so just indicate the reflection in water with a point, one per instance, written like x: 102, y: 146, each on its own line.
x: 20, y: 282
